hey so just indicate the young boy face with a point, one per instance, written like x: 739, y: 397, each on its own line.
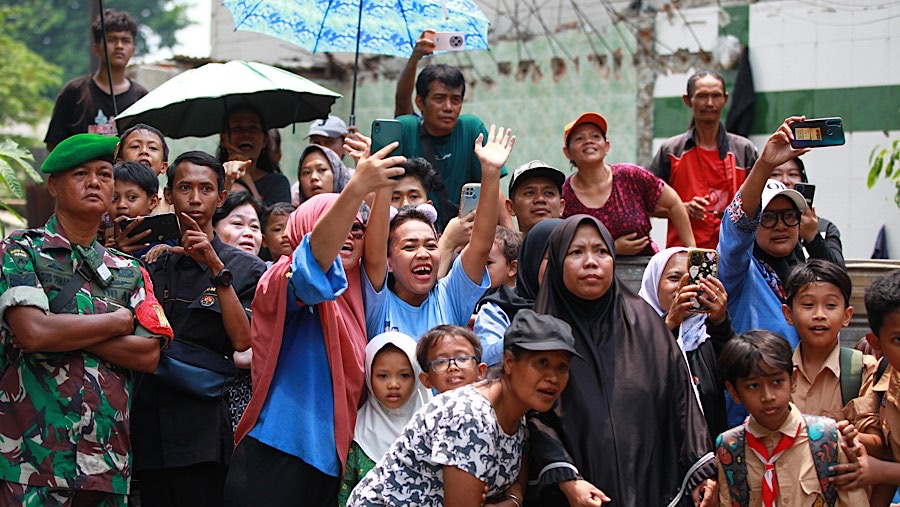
x: 766, y: 397
x: 818, y: 312
x: 501, y: 272
x: 454, y: 376
x: 275, y: 236
x: 888, y: 338
x: 409, y: 192
x: 145, y: 147
x: 130, y: 200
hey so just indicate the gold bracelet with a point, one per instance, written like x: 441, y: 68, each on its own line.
x: 515, y: 500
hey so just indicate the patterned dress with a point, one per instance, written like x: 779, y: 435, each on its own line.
x: 458, y: 428
x: 64, y: 416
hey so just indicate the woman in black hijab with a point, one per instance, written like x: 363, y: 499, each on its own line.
x: 628, y: 423
x: 496, y: 311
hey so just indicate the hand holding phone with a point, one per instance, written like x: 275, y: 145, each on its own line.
x: 817, y: 133
x: 468, y: 199
x: 162, y: 227
x: 385, y: 132
x: 702, y: 263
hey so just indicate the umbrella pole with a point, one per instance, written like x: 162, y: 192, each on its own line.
x: 112, y: 91
x: 356, y: 66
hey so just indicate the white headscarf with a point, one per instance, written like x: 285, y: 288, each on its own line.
x: 377, y: 426
x: 692, y: 332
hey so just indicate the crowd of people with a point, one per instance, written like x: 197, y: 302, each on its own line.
x: 355, y: 341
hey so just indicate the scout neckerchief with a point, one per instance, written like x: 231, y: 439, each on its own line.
x: 770, y: 479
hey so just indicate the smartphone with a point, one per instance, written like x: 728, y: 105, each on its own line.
x: 164, y: 227
x: 468, y: 199
x: 818, y: 132
x: 701, y: 263
x: 449, y: 41
x: 384, y: 132
x: 808, y: 190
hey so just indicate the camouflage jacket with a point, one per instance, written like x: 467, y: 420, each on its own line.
x: 64, y: 416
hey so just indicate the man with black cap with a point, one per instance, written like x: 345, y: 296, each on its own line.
x: 535, y: 193
x: 78, y: 320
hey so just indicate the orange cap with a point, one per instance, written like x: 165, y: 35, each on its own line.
x: 594, y: 118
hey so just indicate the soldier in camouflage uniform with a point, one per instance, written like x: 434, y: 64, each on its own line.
x: 66, y: 375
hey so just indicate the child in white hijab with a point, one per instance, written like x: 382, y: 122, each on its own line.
x: 395, y: 394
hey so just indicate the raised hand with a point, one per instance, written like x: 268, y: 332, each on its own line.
x: 377, y: 170
x: 496, y: 152
x: 195, y: 244
x: 778, y: 148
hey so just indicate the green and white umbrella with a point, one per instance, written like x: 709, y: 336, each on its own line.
x: 194, y: 103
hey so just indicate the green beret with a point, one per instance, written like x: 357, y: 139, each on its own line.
x: 79, y: 149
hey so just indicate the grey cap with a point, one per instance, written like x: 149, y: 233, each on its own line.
x: 534, y: 332
x: 533, y: 169
x: 332, y: 126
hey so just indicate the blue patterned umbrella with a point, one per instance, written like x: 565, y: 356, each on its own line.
x: 383, y: 27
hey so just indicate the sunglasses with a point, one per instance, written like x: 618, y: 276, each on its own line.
x: 769, y: 219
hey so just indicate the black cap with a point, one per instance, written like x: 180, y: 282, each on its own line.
x: 534, y: 169
x: 534, y: 332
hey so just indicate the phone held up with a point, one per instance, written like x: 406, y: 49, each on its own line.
x: 702, y: 263
x: 468, y: 199
x: 817, y: 133
x: 385, y: 132
x: 807, y: 190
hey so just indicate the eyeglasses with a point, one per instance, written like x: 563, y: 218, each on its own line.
x: 358, y: 231
x: 443, y: 364
x: 769, y: 219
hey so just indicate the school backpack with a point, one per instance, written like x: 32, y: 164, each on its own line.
x: 851, y: 361
x: 823, y: 444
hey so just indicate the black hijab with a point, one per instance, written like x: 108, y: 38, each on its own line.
x: 628, y: 421
x: 531, y: 253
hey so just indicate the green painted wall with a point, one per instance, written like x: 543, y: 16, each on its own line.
x: 871, y: 108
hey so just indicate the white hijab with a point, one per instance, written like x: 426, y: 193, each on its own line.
x: 692, y: 332
x: 377, y: 426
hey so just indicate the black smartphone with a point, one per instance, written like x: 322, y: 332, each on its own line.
x: 807, y: 190
x: 818, y: 132
x: 384, y: 132
x: 164, y: 227
x: 702, y: 262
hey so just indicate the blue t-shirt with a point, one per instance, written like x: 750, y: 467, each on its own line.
x: 490, y: 326
x: 450, y: 301
x: 298, y: 415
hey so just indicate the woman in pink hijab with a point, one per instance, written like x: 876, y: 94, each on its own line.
x: 309, y: 341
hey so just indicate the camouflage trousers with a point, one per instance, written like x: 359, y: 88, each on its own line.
x: 12, y: 493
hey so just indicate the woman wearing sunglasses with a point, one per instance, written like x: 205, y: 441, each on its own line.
x: 757, y: 239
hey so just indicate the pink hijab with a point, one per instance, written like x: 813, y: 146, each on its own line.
x: 343, y: 327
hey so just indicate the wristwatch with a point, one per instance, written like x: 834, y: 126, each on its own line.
x: 223, y: 279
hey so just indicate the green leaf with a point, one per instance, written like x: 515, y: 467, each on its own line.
x: 872, y: 153
x: 875, y: 170
x: 19, y: 158
x: 9, y: 177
